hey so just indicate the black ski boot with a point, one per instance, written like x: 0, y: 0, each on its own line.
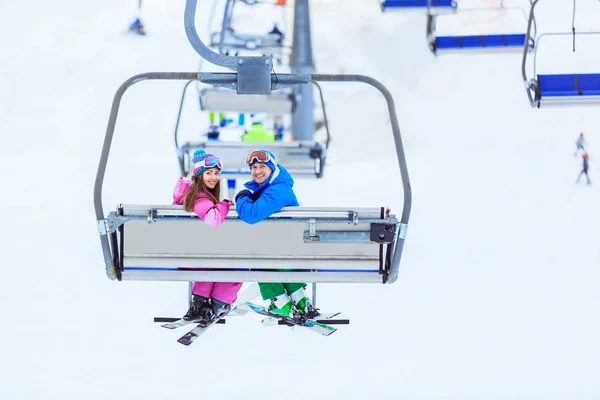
x: 213, y: 312
x: 198, y: 304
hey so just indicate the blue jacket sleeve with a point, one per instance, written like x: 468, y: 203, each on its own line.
x: 269, y: 202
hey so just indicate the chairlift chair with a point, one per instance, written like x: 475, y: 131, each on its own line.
x: 304, y: 159
x: 505, y: 42
x: 558, y: 89
x: 152, y: 242
x: 227, y: 40
x: 148, y: 242
x: 323, y: 244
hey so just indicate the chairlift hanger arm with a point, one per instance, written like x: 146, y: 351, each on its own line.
x: 325, y: 120
x: 528, y: 38
x: 178, y: 121
x: 226, y: 23
x: 203, y: 50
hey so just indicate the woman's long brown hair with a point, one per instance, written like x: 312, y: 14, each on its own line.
x: 198, y: 187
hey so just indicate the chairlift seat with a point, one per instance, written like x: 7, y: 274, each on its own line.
x: 479, y: 41
x: 224, y: 100
x: 568, y: 85
x: 296, y: 244
x: 301, y: 158
x: 422, y: 4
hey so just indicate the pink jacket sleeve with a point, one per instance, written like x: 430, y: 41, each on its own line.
x: 211, y: 213
x: 181, y: 187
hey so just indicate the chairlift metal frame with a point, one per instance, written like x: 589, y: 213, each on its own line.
x: 225, y: 40
x: 532, y: 85
x: 432, y: 22
x: 252, y: 76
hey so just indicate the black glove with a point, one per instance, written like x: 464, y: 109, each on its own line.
x: 242, y: 193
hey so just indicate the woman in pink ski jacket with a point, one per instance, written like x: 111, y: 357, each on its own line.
x: 202, y: 194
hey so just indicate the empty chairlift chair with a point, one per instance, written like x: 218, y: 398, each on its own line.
x: 227, y: 39
x: 496, y: 42
x: 558, y: 89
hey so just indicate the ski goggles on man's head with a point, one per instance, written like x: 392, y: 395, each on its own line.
x: 209, y: 162
x: 261, y: 156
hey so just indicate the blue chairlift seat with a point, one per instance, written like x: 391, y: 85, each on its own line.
x: 567, y: 85
x: 479, y: 41
x: 450, y: 4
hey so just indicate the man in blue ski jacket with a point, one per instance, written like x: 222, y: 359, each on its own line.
x: 270, y: 190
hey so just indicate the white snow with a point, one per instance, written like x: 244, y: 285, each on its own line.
x: 499, y: 286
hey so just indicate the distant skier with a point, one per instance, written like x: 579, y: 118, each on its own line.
x: 585, y: 167
x: 137, y: 27
x: 580, y: 143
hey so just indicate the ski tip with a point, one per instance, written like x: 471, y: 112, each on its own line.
x: 187, y: 339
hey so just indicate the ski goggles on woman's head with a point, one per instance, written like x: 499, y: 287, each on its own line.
x: 209, y: 162
x: 261, y: 156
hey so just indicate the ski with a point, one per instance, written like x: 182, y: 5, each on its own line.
x: 239, y: 308
x: 237, y: 311
x: 179, y: 323
x: 311, y: 325
x: 194, y: 334
x: 272, y: 321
